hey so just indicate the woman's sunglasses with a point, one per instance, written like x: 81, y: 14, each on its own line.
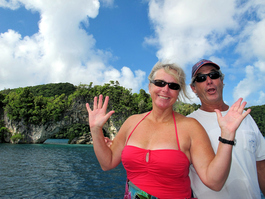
x: 203, y: 77
x: 161, y: 83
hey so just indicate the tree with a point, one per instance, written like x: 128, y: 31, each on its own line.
x: 47, y: 103
x: 258, y: 114
x: 3, y: 131
x: 185, y: 109
x: 23, y: 105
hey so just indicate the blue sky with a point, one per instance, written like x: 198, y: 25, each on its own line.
x: 83, y: 41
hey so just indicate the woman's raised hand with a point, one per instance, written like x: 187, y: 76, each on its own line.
x: 231, y: 121
x: 98, y: 116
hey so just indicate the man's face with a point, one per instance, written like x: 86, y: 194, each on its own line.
x: 211, y: 90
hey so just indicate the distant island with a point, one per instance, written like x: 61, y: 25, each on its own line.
x: 35, y: 114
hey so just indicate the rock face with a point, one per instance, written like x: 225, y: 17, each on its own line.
x: 32, y: 134
x: 35, y: 134
x: 84, y: 139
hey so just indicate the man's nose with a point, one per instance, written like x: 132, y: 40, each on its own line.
x: 208, y: 80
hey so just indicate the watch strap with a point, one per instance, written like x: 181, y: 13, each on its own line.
x: 225, y: 141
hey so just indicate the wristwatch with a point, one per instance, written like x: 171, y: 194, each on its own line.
x: 225, y: 141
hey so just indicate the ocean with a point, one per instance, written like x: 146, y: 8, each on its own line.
x: 56, y: 170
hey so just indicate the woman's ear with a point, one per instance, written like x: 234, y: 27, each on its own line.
x: 149, y: 87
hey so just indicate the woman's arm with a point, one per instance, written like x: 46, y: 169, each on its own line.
x: 108, y: 157
x: 214, y: 170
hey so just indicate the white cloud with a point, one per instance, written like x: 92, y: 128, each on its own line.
x: 249, y: 85
x: 61, y: 51
x: 261, y: 65
x: 193, y: 98
x: 187, y: 30
x: 219, y: 61
x: 258, y: 40
x: 260, y: 100
x: 184, y: 32
x: 11, y: 4
x: 107, y: 3
x: 251, y: 41
x: 129, y: 80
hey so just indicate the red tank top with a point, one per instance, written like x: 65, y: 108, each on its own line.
x: 164, y: 175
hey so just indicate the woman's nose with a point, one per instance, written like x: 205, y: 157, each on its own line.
x: 166, y: 88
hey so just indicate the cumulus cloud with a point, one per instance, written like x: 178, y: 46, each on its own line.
x: 61, y: 51
x: 186, y: 31
x: 260, y: 65
x: 248, y: 85
x: 12, y: 4
x: 192, y: 97
x: 251, y: 88
x: 107, y: 3
x: 261, y: 98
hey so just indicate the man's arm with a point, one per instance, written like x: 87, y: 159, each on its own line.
x: 261, y: 175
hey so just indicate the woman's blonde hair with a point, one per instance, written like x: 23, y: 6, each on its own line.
x: 179, y: 76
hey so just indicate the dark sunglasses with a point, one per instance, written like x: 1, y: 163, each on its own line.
x: 161, y: 83
x: 203, y: 77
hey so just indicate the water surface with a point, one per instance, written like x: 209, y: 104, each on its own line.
x: 56, y: 171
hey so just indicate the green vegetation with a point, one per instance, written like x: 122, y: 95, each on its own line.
x: 17, y: 137
x: 21, y: 104
x: 185, y: 109
x: 28, y: 105
x: 47, y: 90
x: 2, y: 97
x: 258, y: 114
x: 3, y: 131
x: 121, y: 99
x: 72, y: 131
x: 48, y: 103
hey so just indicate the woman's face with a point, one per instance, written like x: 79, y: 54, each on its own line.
x: 163, y: 97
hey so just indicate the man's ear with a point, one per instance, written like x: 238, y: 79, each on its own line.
x: 193, y: 88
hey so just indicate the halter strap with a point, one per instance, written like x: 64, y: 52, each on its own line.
x: 145, y: 117
x: 136, y: 126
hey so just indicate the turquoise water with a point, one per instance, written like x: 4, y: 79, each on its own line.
x: 56, y: 170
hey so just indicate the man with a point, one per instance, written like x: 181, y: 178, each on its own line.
x: 247, y: 171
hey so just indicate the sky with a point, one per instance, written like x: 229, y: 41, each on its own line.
x: 83, y: 41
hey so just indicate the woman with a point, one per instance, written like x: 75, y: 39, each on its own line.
x: 156, y: 148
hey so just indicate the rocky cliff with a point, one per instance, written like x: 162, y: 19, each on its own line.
x: 35, y: 134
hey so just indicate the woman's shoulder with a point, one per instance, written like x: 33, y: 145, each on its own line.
x: 134, y: 119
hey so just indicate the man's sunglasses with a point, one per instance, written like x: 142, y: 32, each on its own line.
x: 203, y: 77
x: 161, y: 83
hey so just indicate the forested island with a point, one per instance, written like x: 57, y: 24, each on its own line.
x: 34, y: 114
